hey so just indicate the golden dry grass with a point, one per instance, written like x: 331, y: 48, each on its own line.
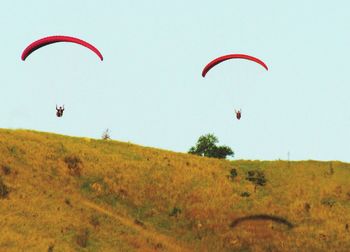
x: 125, y: 194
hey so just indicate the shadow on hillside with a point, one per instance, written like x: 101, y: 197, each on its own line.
x: 263, y: 217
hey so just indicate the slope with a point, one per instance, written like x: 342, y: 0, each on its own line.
x: 80, y: 194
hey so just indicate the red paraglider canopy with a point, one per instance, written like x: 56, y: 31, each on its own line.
x: 54, y: 39
x: 216, y: 61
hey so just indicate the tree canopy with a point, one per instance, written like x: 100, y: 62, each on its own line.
x: 206, y: 146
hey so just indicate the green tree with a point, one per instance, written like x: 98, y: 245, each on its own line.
x: 206, y: 146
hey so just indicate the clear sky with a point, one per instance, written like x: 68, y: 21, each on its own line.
x: 149, y: 89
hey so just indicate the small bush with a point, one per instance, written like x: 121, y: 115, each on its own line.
x: 233, y: 173
x: 106, y: 135
x: 74, y: 164
x: 67, y: 201
x: 94, y: 221
x: 245, y: 194
x: 50, y: 248
x: 328, y: 202
x: 140, y: 223
x: 307, y: 207
x: 256, y: 177
x: 82, y: 238
x: 159, y: 246
x: 175, y: 212
x: 6, y: 170
x: 4, y: 190
x: 348, y: 195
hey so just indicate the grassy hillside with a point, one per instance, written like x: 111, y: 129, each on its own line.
x: 60, y: 193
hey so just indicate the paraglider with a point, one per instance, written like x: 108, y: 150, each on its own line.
x: 216, y: 61
x: 238, y: 114
x: 55, y: 39
x: 59, y: 111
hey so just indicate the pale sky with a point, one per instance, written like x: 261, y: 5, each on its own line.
x: 149, y: 89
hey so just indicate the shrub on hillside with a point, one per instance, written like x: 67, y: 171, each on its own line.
x: 307, y: 207
x: 82, y: 237
x: 50, y: 248
x: 328, y: 202
x: 94, y: 220
x: 6, y: 170
x: 106, y: 135
x: 245, y: 194
x: 233, y: 173
x: 74, y: 164
x: 256, y: 177
x: 67, y: 201
x: 175, y: 212
x: 140, y: 223
x: 4, y: 190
